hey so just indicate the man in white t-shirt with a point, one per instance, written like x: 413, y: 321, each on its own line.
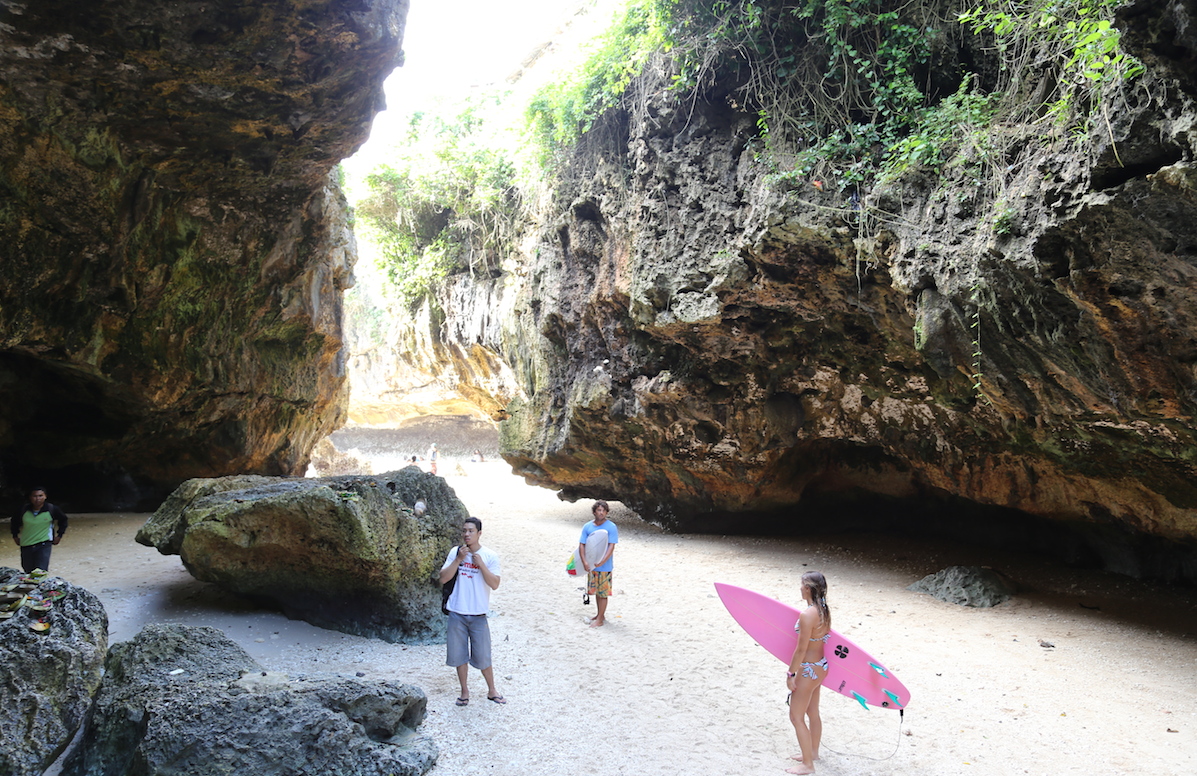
x: 467, y: 639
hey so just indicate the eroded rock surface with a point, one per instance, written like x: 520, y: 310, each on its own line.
x: 49, y: 676
x: 728, y: 350
x: 178, y: 699
x: 966, y: 586
x: 174, y: 240
x: 346, y: 553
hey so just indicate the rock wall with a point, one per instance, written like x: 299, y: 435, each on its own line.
x: 174, y: 240
x: 405, y: 365
x: 724, y: 352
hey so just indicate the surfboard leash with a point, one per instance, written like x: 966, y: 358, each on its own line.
x: 897, y: 744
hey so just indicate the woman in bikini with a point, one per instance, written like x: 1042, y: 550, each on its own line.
x: 807, y: 668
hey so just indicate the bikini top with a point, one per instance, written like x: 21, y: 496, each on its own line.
x: 822, y: 638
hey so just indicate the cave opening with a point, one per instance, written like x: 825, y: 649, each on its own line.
x: 1088, y: 545
x: 61, y: 429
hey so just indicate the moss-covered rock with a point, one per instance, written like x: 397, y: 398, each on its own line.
x: 347, y: 553
x: 700, y: 330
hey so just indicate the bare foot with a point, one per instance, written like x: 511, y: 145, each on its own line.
x: 798, y: 757
x: 801, y: 770
x: 596, y: 623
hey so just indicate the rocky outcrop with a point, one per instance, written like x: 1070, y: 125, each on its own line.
x: 346, y: 553
x: 966, y: 586
x: 725, y: 350
x: 49, y: 675
x: 175, y: 243
x: 328, y: 461
x: 180, y: 699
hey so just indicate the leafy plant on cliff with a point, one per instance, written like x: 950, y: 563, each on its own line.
x: 564, y: 109
x: 446, y: 202
x: 834, y: 83
x: 1059, y: 62
x: 847, y: 91
x: 1075, y: 42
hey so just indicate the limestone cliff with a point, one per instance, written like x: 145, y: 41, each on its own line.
x: 403, y: 366
x: 725, y: 352
x: 174, y: 242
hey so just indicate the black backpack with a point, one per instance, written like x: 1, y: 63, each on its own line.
x: 446, y: 591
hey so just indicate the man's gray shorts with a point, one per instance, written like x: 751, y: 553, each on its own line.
x: 467, y: 639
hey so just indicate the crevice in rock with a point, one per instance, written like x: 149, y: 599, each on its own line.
x: 1111, y: 177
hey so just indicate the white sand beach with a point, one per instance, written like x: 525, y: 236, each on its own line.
x: 673, y: 686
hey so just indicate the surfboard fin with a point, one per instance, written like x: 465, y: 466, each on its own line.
x: 893, y: 698
x: 860, y: 699
x: 878, y: 669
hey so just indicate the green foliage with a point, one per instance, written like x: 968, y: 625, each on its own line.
x: 871, y: 53
x: 835, y: 83
x: 925, y: 137
x: 446, y: 202
x: 1080, y: 30
x: 936, y: 132
x: 565, y: 109
x: 841, y: 87
x: 1073, y: 42
x: 1003, y: 220
x: 851, y: 154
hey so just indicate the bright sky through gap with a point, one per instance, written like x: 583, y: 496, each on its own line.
x: 451, y: 46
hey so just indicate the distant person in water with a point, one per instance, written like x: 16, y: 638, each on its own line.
x: 807, y: 669
x: 36, y: 528
x: 432, y: 458
x: 467, y: 635
x: 477, y: 457
x: 598, y: 576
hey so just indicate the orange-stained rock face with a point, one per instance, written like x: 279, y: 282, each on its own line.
x: 174, y: 243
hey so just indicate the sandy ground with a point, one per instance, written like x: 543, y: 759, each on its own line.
x: 672, y: 685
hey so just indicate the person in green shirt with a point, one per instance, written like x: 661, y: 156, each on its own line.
x: 36, y: 528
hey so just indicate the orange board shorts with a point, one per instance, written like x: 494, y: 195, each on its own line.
x: 598, y: 583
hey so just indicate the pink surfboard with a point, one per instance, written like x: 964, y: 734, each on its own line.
x: 850, y: 670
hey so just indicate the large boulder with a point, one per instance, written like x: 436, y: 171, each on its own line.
x: 185, y: 700
x: 347, y: 553
x: 49, y: 676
